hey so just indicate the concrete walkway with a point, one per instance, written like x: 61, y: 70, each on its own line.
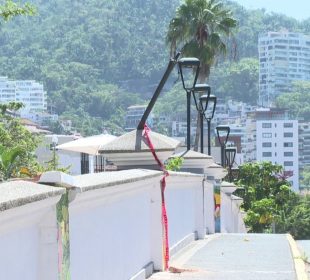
x: 234, y: 256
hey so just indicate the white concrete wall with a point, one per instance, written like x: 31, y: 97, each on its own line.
x: 28, y: 234
x: 237, y: 215
x: 115, y: 224
x: 184, y: 200
x: 231, y: 214
x: 209, y: 207
x: 110, y: 232
x: 116, y: 231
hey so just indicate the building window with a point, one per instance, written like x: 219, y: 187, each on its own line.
x: 288, y: 125
x: 84, y: 163
x: 266, y: 125
x: 288, y: 144
x: 267, y: 135
x: 288, y: 134
x: 288, y: 154
x: 99, y: 165
x: 288, y: 163
x: 267, y: 154
x: 267, y: 144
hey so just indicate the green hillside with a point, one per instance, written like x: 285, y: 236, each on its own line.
x: 97, y: 57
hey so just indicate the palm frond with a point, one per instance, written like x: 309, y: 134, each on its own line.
x: 199, y: 25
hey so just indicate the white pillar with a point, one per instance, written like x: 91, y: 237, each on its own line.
x: 199, y: 215
x: 209, y: 207
x: 226, y: 207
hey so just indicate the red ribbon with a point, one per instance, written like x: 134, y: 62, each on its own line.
x: 164, y: 217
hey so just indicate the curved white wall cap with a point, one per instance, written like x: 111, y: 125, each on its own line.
x: 216, y: 171
x: 87, y: 182
x: 57, y: 177
x: 228, y: 187
x: 194, y: 159
x: 238, y: 200
x: 17, y: 193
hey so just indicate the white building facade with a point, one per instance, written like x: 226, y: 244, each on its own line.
x: 284, y: 57
x: 277, y: 142
x: 134, y: 115
x: 29, y: 92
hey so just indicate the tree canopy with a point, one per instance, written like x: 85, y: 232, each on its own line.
x: 200, y: 29
x: 10, y: 9
x: 17, y: 145
x: 269, y: 202
x: 297, y: 101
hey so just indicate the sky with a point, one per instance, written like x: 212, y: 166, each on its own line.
x: 299, y: 9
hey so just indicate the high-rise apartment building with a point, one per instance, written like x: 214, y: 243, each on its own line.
x: 277, y: 141
x: 304, y: 146
x: 30, y: 93
x: 284, y: 57
x: 134, y: 115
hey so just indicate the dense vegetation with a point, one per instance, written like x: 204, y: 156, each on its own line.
x: 112, y: 54
x: 297, y: 101
x: 269, y: 202
x: 17, y: 147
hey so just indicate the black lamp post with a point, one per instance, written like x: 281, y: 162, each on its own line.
x: 171, y: 64
x: 188, y: 67
x: 230, y: 154
x: 202, y: 106
x: 222, y: 135
x: 209, y: 114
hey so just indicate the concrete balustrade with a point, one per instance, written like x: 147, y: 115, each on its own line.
x: 112, y: 224
x: 115, y: 220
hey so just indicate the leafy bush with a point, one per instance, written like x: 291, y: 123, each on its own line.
x: 269, y: 202
x: 174, y: 164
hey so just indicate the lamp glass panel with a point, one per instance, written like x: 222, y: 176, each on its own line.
x: 209, y: 113
x: 188, y: 75
x: 223, y: 133
x: 230, y: 154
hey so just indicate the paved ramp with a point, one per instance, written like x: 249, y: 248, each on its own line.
x: 234, y: 256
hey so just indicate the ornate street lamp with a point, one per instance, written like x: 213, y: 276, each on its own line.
x: 209, y: 114
x: 189, y: 68
x: 230, y: 155
x: 198, y: 93
x: 222, y: 136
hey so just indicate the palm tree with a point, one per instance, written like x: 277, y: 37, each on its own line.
x: 9, y: 161
x: 201, y: 29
